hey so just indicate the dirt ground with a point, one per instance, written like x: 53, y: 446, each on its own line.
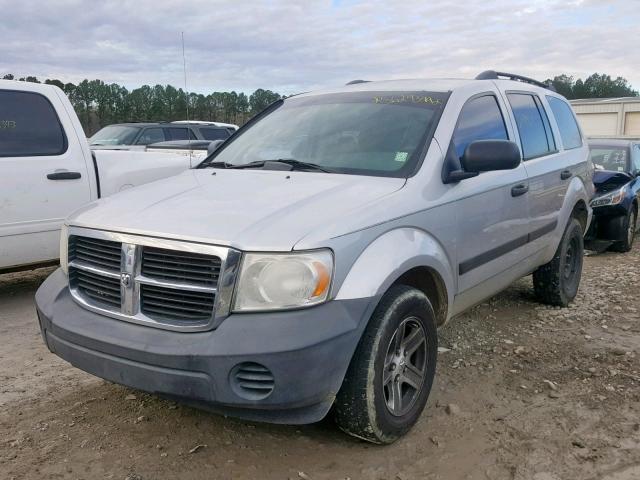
x: 523, y: 392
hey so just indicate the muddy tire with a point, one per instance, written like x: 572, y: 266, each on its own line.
x: 556, y: 283
x: 390, y: 376
x: 628, y: 228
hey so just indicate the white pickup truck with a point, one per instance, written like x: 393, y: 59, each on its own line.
x: 47, y: 171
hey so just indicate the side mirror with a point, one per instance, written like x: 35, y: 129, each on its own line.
x: 213, y: 146
x: 488, y: 155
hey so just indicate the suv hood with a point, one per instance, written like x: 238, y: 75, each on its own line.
x: 245, y: 209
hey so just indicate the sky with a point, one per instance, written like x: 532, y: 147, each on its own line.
x: 300, y: 45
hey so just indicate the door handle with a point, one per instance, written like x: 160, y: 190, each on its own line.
x: 519, y: 189
x: 565, y: 174
x: 64, y: 175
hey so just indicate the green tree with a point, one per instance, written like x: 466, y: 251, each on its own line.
x: 261, y: 99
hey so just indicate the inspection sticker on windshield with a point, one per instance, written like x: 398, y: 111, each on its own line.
x: 401, y: 156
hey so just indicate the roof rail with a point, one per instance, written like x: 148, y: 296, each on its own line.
x: 493, y: 75
x: 354, y: 82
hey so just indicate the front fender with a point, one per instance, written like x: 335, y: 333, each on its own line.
x: 391, y: 255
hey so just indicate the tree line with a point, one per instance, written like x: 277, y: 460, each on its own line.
x: 98, y: 103
x: 597, y: 85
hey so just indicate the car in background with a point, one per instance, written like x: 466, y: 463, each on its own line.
x: 615, y: 204
x: 48, y: 171
x: 136, y: 136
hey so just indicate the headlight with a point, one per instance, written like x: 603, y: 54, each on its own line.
x: 64, y: 249
x: 273, y: 281
x: 611, y: 198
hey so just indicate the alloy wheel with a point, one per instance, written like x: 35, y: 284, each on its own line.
x: 405, y: 366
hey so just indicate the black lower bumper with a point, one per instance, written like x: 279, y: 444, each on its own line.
x: 307, y: 352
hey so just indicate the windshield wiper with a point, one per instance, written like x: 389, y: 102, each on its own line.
x: 216, y: 165
x: 293, y: 163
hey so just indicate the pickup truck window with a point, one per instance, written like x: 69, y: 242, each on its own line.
x: 115, y: 135
x: 29, y: 126
x: 480, y: 119
x: 569, y: 131
x: 535, y: 136
x: 361, y: 133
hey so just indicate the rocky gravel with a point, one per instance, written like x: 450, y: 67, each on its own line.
x: 523, y: 391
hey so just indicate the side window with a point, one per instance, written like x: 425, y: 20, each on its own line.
x: 480, y: 119
x: 151, y: 135
x: 635, y: 154
x: 567, y: 123
x: 29, y: 126
x: 534, y: 134
x: 179, y: 134
x: 214, y: 133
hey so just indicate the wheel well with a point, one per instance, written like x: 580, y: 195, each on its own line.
x: 579, y: 212
x: 430, y: 283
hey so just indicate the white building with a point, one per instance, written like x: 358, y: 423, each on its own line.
x: 609, y: 117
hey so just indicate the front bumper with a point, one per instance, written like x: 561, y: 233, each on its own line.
x: 607, y: 224
x: 307, y: 352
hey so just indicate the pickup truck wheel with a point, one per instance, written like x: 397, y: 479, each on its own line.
x: 628, y: 232
x: 390, y: 376
x: 556, y: 283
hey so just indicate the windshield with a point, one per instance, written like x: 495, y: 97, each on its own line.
x: 114, y: 135
x: 611, y: 158
x: 364, y: 133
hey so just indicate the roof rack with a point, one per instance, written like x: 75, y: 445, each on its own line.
x: 354, y: 82
x: 493, y: 75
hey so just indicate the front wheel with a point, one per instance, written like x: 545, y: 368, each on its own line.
x: 556, y: 283
x: 391, y: 374
x: 628, y: 232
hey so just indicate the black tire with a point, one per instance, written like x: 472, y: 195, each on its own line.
x: 365, y: 403
x: 628, y: 232
x: 556, y: 283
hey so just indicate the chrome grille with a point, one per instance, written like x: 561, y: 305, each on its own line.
x: 100, y: 289
x: 95, y: 252
x: 177, y: 266
x: 161, y: 283
x: 169, y: 303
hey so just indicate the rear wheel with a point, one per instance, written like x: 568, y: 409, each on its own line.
x: 556, y: 283
x: 391, y: 373
x: 628, y: 232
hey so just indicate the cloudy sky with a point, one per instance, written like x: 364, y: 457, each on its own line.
x: 294, y: 45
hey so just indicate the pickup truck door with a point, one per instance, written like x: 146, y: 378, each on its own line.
x: 44, y: 174
x: 492, y: 209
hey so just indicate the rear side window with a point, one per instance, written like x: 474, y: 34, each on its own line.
x: 536, y: 138
x: 29, y: 126
x: 567, y: 124
x: 180, y: 134
x: 151, y: 135
x: 214, y: 133
x: 480, y: 119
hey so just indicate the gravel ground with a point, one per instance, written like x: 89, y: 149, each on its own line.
x: 523, y: 391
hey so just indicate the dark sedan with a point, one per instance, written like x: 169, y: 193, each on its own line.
x: 615, y: 204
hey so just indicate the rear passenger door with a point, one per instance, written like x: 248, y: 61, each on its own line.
x: 546, y: 167
x: 493, y: 221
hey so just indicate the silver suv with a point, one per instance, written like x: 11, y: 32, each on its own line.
x: 308, y: 262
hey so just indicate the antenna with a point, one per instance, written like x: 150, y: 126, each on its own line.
x: 186, y: 91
